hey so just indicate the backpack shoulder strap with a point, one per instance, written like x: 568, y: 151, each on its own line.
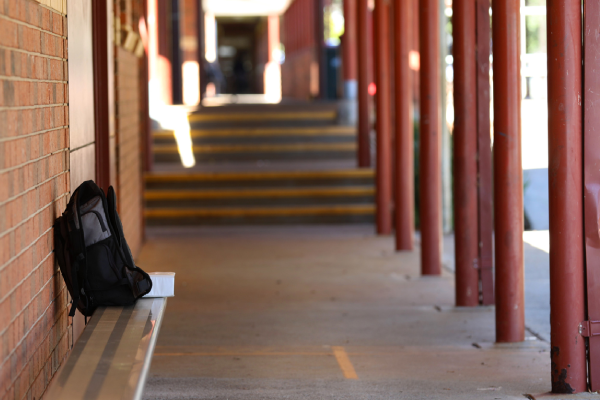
x: 115, y: 221
x: 139, y: 281
x: 77, y: 245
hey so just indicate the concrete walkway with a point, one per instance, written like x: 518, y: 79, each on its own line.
x: 327, y: 313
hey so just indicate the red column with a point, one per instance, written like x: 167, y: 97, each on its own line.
x: 431, y: 139
x: 349, y: 49
x: 484, y: 154
x: 465, y: 154
x: 189, y: 18
x: 405, y: 208
x: 566, y: 186
x: 508, y: 175
x: 383, y: 124
x: 364, y: 126
x: 319, y: 20
x: 591, y: 96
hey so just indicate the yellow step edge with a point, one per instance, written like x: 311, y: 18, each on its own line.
x: 342, y: 131
x: 261, y: 212
x: 265, y: 148
x: 262, y: 115
x: 258, y: 193
x: 158, y: 177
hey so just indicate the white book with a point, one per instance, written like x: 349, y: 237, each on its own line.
x: 163, y: 284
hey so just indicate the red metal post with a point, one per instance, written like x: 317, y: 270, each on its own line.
x: 405, y: 208
x: 201, y: 50
x: 416, y: 63
x: 383, y: 124
x: 319, y: 18
x: 508, y: 175
x: 349, y: 50
x: 591, y: 96
x: 465, y: 154
x: 102, y: 80
x: 430, y: 161
x: 364, y: 125
x: 484, y: 154
x: 566, y: 189
x: 371, y: 51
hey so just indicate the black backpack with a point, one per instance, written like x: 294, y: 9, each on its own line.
x: 94, y: 258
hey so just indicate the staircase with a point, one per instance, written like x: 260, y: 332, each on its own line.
x: 261, y: 165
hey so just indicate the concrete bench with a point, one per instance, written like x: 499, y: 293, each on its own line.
x: 112, y: 357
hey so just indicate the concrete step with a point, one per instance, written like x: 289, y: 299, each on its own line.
x: 264, y: 135
x: 261, y: 215
x: 264, y: 115
x: 228, y: 152
x: 254, y: 180
x: 273, y: 196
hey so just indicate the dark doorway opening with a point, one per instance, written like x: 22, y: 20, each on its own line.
x: 237, y: 54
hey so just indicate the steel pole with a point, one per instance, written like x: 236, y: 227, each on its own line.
x: 320, y: 45
x: 591, y: 121
x: 465, y: 154
x: 362, y: 42
x: 508, y: 175
x: 566, y: 189
x: 383, y: 124
x: 484, y: 154
x: 350, y: 49
x: 430, y: 162
x: 404, y: 207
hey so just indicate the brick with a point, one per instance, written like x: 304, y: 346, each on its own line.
x: 8, y: 33
x: 55, y: 69
x: 3, y: 69
x: 44, y: 18
x: 57, y: 24
x: 28, y: 206
x: 8, y: 93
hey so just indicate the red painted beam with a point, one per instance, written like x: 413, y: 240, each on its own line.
x: 362, y: 42
x: 383, y: 124
x: 566, y: 188
x: 508, y: 175
x: 465, y: 154
x: 404, y: 207
x: 431, y: 139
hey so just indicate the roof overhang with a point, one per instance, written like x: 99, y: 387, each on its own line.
x: 245, y: 8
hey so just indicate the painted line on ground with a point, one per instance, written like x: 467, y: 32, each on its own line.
x: 242, y: 354
x: 344, y: 361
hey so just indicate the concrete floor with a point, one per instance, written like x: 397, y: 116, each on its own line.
x: 324, y: 313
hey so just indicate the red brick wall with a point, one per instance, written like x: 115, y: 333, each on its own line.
x: 34, y: 137
x: 188, y: 10
x: 298, y: 36
x: 296, y: 73
x: 129, y: 125
x: 35, y: 332
x: 129, y: 165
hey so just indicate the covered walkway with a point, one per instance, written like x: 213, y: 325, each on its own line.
x: 319, y: 312
x: 364, y: 120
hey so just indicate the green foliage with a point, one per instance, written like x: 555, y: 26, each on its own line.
x: 334, y: 21
x: 536, y: 33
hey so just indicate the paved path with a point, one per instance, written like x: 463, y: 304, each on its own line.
x: 324, y: 313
